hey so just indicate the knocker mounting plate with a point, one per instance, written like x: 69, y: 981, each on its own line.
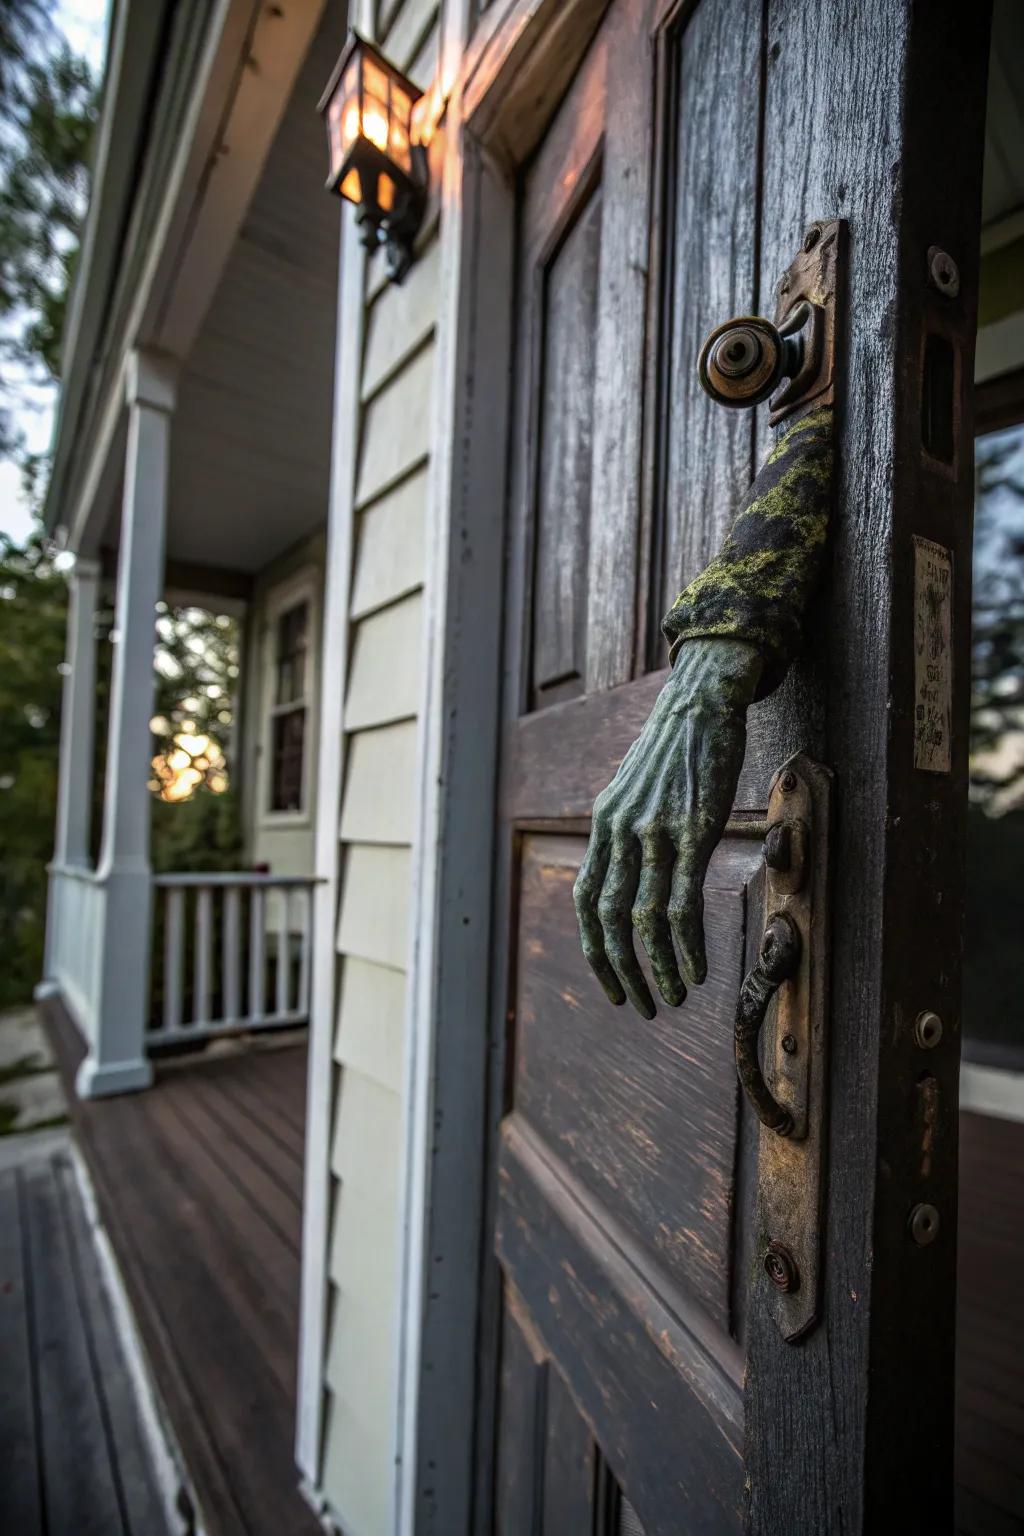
x: 791, y: 1158
x: 812, y: 282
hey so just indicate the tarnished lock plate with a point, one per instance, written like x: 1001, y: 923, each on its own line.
x: 791, y: 1168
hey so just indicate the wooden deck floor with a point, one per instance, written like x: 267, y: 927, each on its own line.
x: 990, y: 1328
x: 73, y: 1459
x: 199, y: 1183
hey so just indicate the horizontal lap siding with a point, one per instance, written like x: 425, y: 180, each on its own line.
x: 377, y: 818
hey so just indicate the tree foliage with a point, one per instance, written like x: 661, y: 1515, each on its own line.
x: 997, y: 655
x: 48, y: 106
x: 33, y: 600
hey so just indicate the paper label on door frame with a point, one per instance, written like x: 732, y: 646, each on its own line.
x: 933, y: 656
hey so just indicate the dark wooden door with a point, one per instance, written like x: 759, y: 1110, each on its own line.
x: 640, y: 1386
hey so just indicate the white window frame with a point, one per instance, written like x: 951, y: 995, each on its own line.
x: 300, y: 588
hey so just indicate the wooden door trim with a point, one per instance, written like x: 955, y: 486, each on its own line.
x: 509, y: 85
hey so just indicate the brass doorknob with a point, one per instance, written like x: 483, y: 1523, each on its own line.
x: 743, y: 360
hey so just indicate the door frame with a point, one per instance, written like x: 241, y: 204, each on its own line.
x: 509, y: 82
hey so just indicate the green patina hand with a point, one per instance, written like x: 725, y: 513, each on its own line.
x: 733, y: 633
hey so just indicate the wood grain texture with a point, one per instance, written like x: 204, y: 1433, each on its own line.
x: 65, y: 1372
x: 566, y: 346
x: 203, y: 1279
x: 711, y: 219
x: 645, y: 1120
x: 20, y: 1492
x: 681, y: 1465
x: 835, y: 1424
x: 620, y: 359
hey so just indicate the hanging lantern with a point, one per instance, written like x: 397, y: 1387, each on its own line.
x: 368, y: 108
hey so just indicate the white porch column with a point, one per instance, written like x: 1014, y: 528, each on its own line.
x: 78, y: 720
x: 117, y: 1062
x: 77, y: 728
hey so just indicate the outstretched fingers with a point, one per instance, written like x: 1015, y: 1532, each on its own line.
x: 686, y: 909
x: 586, y: 895
x: 650, y: 917
x: 615, y: 909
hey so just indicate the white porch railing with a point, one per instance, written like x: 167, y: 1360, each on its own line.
x: 75, y: 939
x: 232, y: 952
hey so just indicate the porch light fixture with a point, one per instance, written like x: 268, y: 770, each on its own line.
x: 368, y: 107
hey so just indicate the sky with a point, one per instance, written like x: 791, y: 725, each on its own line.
x: 83, y: 22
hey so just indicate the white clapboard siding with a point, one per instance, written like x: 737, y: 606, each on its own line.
x: 389, y: 555
x: 384, y: 680
x: 406, y: 34
x: 377, y: 819
x: 371, y: 1011
x: 374, y: 919
x: 396, y: 428
x: 378, y: 801
x: 357, y: 1458
x: 423, y: 67
x: 400, y: 320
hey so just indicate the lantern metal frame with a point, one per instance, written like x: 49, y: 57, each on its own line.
x: 377, y: 165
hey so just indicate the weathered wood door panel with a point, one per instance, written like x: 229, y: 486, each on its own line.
x: 620, y: 1169
x: 639, y: 1386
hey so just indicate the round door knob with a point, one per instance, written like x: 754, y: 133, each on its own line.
x: 743, y: 360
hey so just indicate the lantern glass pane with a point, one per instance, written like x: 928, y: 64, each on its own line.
x: 385, y: 193
x: 375, y: 81
x: 352, y: 187
x: 350, y: 84
x: 399, y: 147
x: 375, y: 121
x: 349, y: 125
x: 401, y: 104
x: 334, y: 136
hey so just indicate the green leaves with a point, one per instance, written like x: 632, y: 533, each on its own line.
x: 48, y: 110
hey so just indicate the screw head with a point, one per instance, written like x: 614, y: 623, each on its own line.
x: 789, y: 1044
x: 788, y: 782
x: 780, y: 1267
x: 943, y: 272
x: 924, y: 1225
x: 927, y: 1029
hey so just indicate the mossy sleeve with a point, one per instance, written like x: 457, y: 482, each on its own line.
x: 758, y: 586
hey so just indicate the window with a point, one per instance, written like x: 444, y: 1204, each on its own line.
x: 290, y: 707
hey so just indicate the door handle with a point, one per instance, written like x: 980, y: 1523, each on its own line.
x: 777, y: 962
x: 782, y: 1070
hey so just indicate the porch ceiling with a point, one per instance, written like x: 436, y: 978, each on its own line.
x: 251, y: 438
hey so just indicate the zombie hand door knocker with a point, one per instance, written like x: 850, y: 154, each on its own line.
x: 732, y: 634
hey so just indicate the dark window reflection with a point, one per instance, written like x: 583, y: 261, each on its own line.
x: 993, y: 1008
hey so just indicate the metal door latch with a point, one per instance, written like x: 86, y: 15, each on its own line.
x: 791, y: 363
x: 783, y: 1074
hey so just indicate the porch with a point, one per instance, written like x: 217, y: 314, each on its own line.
x: 191, y: 470
x: 199, y: 1187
